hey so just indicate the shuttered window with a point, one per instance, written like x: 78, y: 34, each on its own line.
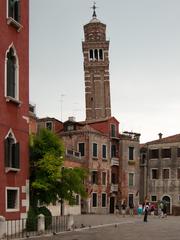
x: 11, y: 153
x: 94, y: 199
x: 11, y: 74
x: 95, y: 150
x: 14, y: 10
x: 131, y: 153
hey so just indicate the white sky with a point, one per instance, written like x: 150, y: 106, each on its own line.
x: 144, y: 61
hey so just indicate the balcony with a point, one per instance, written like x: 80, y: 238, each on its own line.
x: 73, y: 154
x: 114, y: 187
x: 114, y: 161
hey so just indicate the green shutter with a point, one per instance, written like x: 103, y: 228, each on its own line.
x: 6, y: 152
x: 17, y: 11
x: 16, y: 156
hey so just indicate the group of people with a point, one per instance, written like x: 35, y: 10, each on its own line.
x: 143, y: 209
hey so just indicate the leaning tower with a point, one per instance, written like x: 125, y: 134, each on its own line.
x: 96, y: 69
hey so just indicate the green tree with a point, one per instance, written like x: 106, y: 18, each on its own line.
x: 49, y: 180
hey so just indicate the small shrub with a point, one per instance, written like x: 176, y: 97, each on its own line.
x: 31, y: 223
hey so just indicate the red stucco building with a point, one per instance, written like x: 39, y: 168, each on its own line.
x: 14, y: 107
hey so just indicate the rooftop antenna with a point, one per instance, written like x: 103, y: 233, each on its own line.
x: 61, y: 101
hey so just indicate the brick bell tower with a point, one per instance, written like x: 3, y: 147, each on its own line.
x: 96, y: 69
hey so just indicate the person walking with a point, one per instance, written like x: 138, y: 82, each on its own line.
x: 131, y: 209
x: 123, y: 208
x: 146, y: 209
x: 140, y: 209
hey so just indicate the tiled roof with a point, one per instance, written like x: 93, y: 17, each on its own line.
x: 170, y: 139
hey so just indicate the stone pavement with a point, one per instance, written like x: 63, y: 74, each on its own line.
x: 112, y: 227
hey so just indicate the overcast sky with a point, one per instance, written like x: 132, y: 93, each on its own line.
x: 144, y: 61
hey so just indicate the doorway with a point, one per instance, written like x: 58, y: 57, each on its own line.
x: 167, y: 201
x: 111, y: 208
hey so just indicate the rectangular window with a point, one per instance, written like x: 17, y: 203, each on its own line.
x: 104, y: 151
x: 154, y: 153
x: 12, y: 199
x: 81, y: 149
x: 154, y: 173
x: 113, y: 150
x: 165, y: 173
x: 49, y: 126
x: 94, y: 177
x: 103, y: 199
x: 94, y: 199
x: 14, y: 9
x: 103, y: 178
x: 113, y: 178
x: 166, y: 153
x: 113, y: 130
x: 131, y: 198
x: 178, y: 173
x: 153, y: 198
x: 178, y: 152
x: 131, y: 179
x: 95, y: 150
x: 131, y: 153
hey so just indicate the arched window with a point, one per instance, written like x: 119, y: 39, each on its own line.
x: 11, y: 73
x: 96, y: 54
x: 100, y: 54
x: 91, y: 54
x: 11, y: 150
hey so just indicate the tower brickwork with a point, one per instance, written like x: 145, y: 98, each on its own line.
x: 96, y: 70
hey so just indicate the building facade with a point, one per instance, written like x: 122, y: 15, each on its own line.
x: 14, y: 106
x: 160, y: 172
x: 111, y: 158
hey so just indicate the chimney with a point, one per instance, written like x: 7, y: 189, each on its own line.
x: 160, y: 135
x: 72, y: 119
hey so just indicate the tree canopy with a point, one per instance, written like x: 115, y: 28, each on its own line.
x: 49, y: 180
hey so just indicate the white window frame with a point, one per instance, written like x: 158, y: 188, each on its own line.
x: 84, y: 148
x: 154, y: 149
x: 132, y: 147
x: 133, y: 179
x: 8, y: 98
x: 105, y: 178
x: 106, y: 199
x: 152, y: 174
x: 96, y: 200
x: 102, y: 151
x: 94, y: 59
x: 16, y: 209
x: 51, y: 125
x: 169, y: 173
x: 91, y: 177
x: 92, y: 150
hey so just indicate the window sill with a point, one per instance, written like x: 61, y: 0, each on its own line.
x: 131, y: 162
x: 95, y: 158
x: 13, y: 100
x: 12, y: 210
x: 14, y: 23
x: 10, y: 169
x: 104, y: 159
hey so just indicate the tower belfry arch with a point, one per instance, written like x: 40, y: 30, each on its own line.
x: 96, y: 69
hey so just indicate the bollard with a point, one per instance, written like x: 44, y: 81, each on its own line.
x: 70, y: 222
x: 41, y: 224
x: 2, y: 227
